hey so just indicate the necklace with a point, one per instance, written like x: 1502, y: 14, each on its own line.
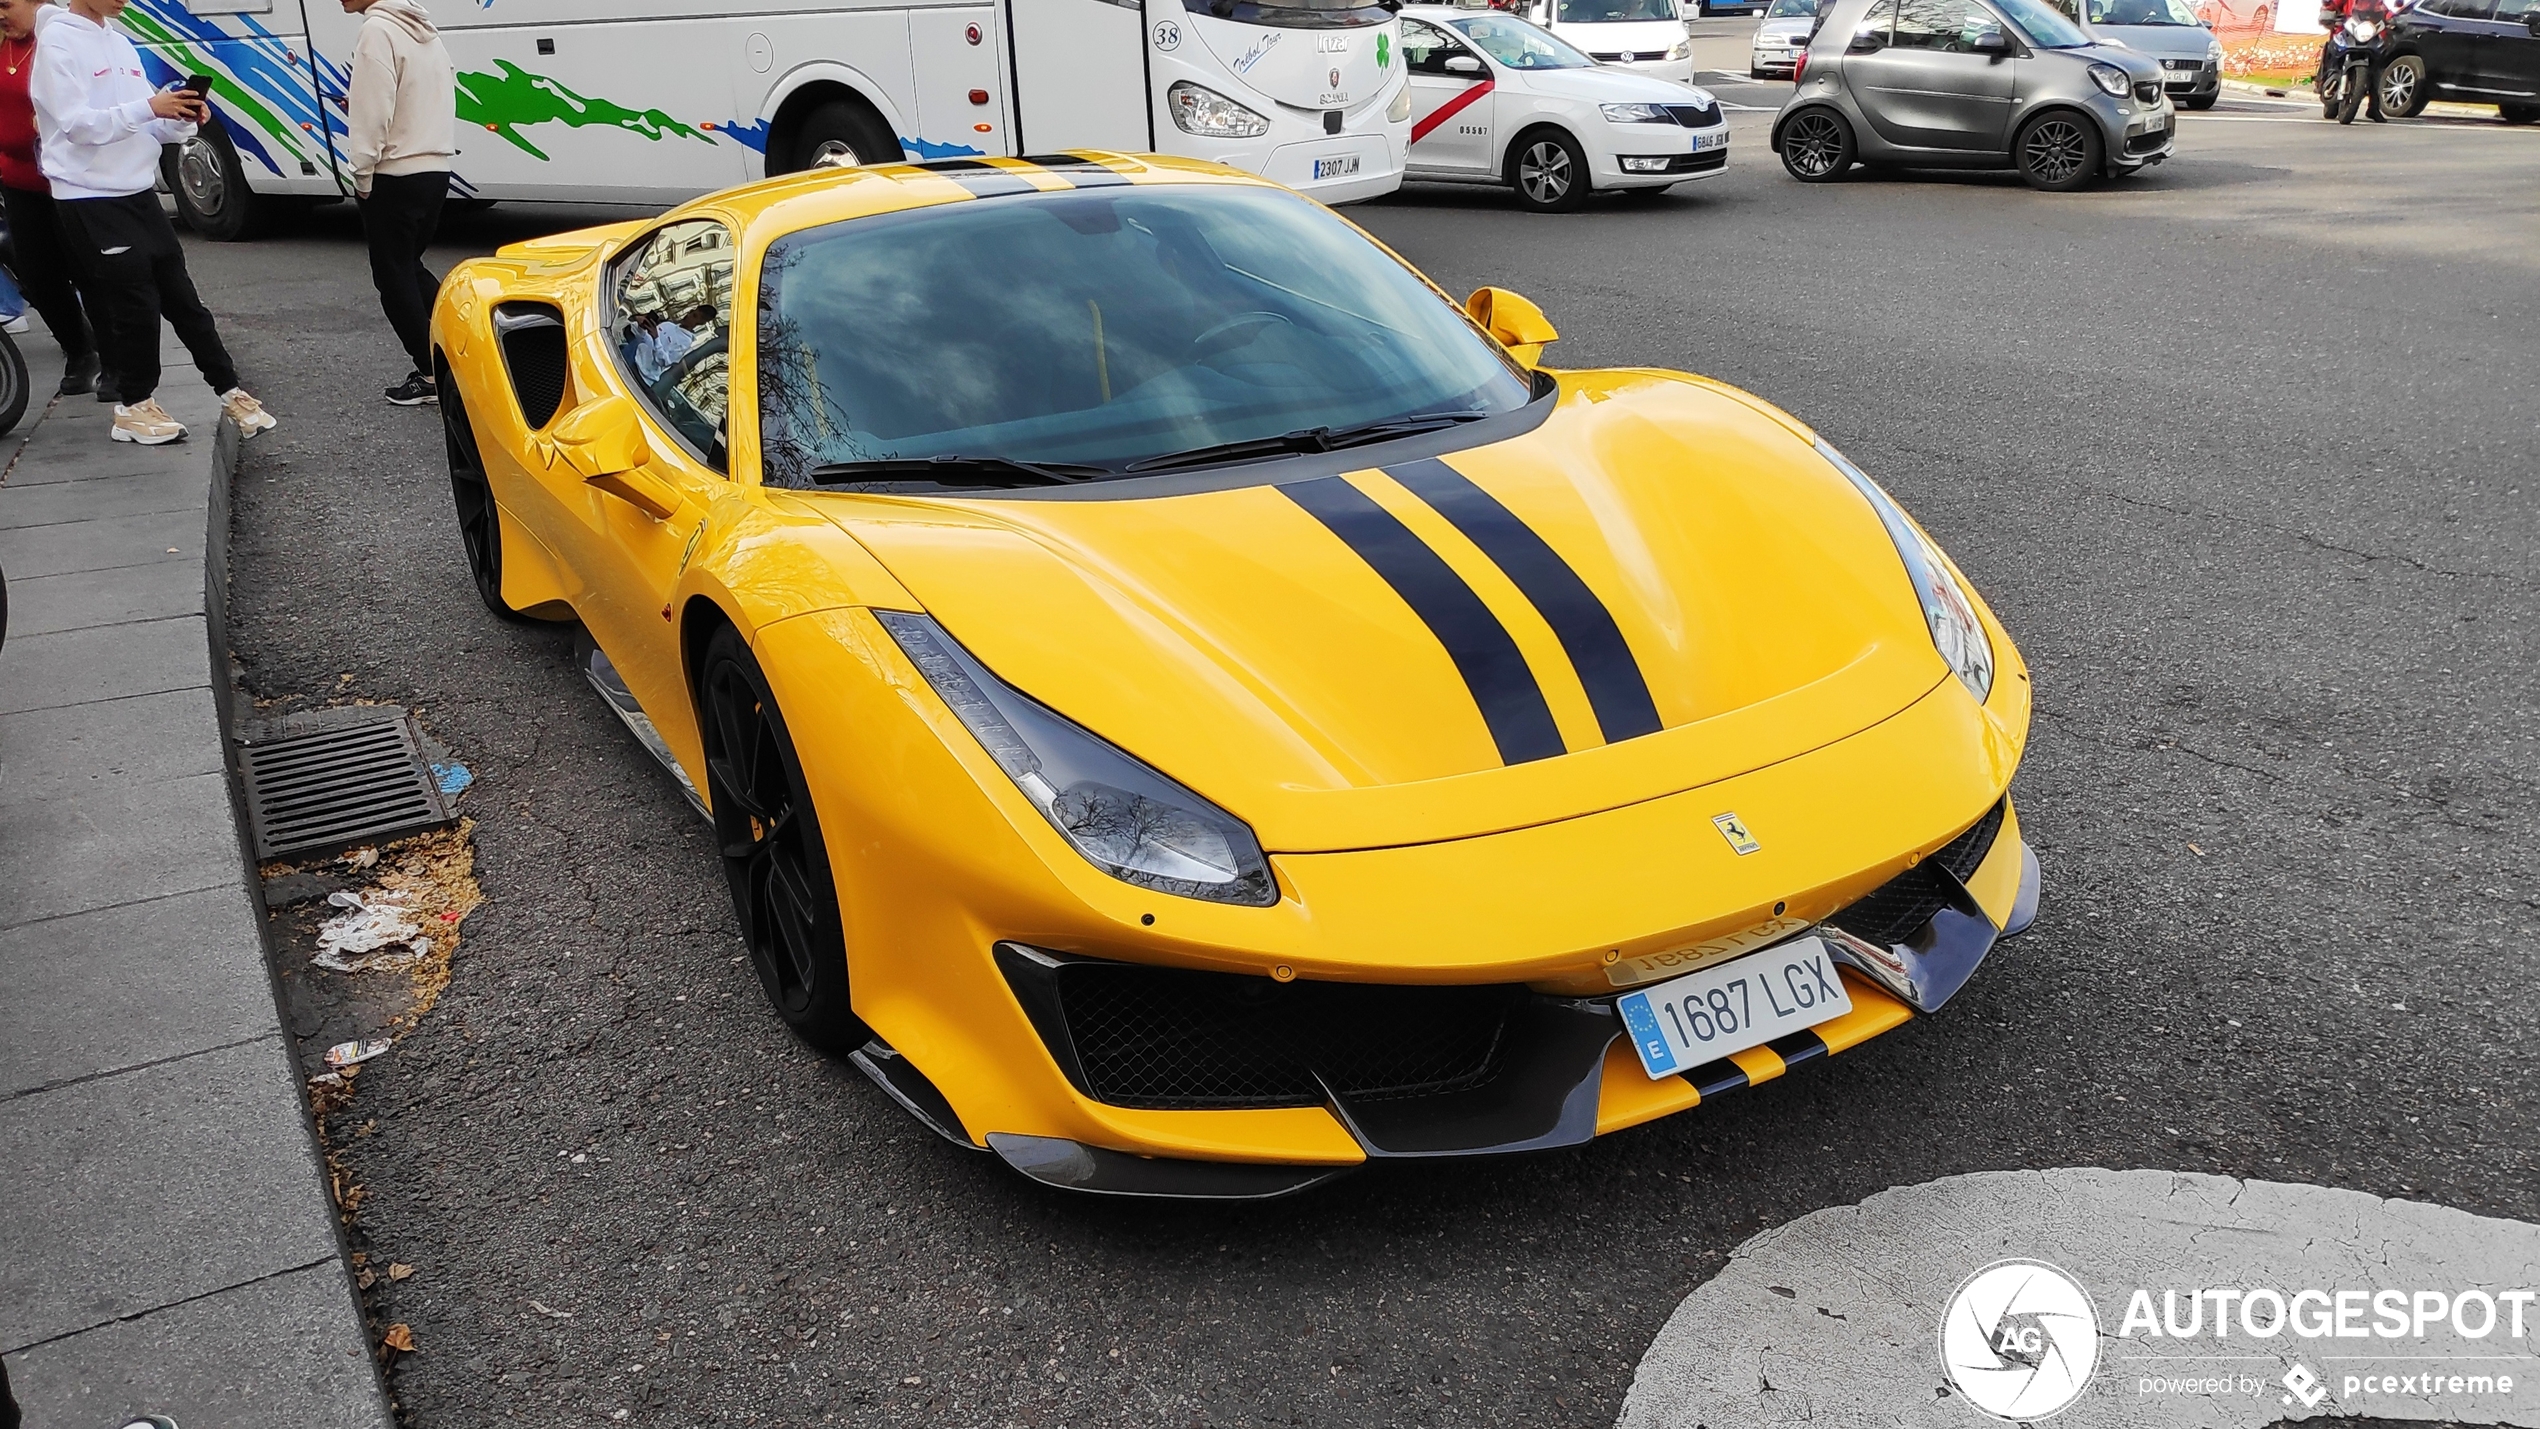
x: 4, y: 56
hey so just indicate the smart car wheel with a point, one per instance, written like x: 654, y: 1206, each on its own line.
x: 2059, y: 152
x: 1816, y: 146
x: 2518, y: 113
x: 1549, y: 172
x: 773, y: 856
x: 480, y: 528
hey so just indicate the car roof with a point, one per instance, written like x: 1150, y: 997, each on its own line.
x: 793, y: 202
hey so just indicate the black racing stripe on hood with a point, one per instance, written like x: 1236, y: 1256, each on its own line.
x: 1615, y: 686
x: 1083, y: 172
x: 983, y: 179
x: 1485, y: 654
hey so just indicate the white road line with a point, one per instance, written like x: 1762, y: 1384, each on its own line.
x: 1834, y: 1320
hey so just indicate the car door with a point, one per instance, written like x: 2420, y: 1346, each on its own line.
x: 1451, y: 87
x: 668, y: 316
x: 2507, y: 57
x: 1929, y: 88
x: 2439, y: 30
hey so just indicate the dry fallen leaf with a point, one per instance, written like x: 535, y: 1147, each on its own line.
x: 2191, y: 848
x: 399, y: 1338
x: 366, y: 1279
x: 400, y: 1271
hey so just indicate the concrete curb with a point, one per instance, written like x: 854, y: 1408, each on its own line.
x: 171, y: 1245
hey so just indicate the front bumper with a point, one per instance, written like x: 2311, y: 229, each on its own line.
x: 1775, y: 59
x: 1429, y: 1072
x: 2146, y: 137
x: 2191, y: 83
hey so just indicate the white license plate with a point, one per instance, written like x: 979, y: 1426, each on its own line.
x: 1718, y: 140
x: 1339, y: 168
x: 1744, y: 1003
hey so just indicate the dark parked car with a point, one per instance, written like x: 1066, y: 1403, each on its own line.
x: 2472, y: 51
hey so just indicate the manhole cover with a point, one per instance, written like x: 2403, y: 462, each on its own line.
x: 356, y: 778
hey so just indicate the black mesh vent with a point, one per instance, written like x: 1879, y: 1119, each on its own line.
x: 1695, y: 116
x: 532, y: 335
x: 1903, y: 904
x: 1171, y: 1039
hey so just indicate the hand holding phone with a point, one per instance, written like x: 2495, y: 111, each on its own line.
x: 200, y: 87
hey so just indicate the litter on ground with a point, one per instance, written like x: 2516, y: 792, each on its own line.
x: 373, y: 930
x: 348, y: 1054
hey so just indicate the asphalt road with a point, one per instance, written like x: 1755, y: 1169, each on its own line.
x: 2243, y: 450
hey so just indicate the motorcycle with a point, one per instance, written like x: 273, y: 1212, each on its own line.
x: 2347, y: 64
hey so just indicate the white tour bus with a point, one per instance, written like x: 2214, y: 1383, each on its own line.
x: 581, y: 101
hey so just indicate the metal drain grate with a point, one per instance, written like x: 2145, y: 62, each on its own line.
x: 355, y: 779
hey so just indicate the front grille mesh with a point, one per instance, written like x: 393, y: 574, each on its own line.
x: 533, y: 342
x: 1903, y: 904
x: 1170, y: 1039
x: 1695, y: 116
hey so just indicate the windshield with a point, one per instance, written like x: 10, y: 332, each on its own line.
x: 1298, y: 14
x: 1599, y: 12
x: 1792, y: 10
x: 2044, y: 25
x: 1098, y: 327
x: 1519, y: 45
x: 2140, y: 12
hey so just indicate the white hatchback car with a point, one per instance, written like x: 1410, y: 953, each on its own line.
x: 1643, y: 36
x: 1498, y: 100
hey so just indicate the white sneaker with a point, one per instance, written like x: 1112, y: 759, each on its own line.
x: 149, y: 424
x: 246, y: 411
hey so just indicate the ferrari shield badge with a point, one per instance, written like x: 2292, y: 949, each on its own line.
x: 1734, y: 829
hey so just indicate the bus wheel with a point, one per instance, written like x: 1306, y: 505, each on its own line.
x: 838, y: 134
x: 211, y: 188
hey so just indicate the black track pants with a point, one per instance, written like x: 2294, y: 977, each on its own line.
x: 398, y: 220
x: 138, y: 276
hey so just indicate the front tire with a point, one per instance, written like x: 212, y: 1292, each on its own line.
x: 2403, y: 87
x: 210, y: 187
x: 13, y: 383
x: 2350, y: 96
x: 2059, y: 152
x: 774, y: 859
x: 480, y: 525
x: 1549, y: 171
x: 839, y: 133
x: 1817, y: 146
x: 2518, y: 113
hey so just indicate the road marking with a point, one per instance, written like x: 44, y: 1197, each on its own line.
x: 1833, y: 1320
x: 2471, y: 127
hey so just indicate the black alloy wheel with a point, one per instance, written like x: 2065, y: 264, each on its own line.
x: 774, y: 859
x: 1549, y: 172
x: 2059, y: 152
x: 480, y: 526
x: 2403, y: 87
x: 1816, y: 146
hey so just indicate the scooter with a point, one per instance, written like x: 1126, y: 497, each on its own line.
x: 2347, y: 63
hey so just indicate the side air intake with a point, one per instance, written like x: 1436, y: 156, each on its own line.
x: 532, y: 335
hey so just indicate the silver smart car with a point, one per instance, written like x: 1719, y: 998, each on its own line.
x: 1974, y: 84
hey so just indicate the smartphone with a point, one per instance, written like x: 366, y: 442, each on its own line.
x: 200, y: 85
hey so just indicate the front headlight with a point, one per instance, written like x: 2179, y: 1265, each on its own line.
x: 1400, y: 109
x: 2213, y: 53
x: 2362, y: 31
x: 1946, y: 609
x: 1125, y: 818
x: 1210, y: 115
x: 1682, y: 51
x: 2111, y: 79
x: 1637, y: 114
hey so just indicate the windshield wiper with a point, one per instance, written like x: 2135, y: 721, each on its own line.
x: 957, y: 469
x: 1307, y: 439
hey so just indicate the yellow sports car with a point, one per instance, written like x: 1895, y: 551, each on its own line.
x: 1188, y: 708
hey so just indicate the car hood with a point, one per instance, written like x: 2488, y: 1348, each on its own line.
x: 1599, y: 85
x: 2138, y: 63
x: 2165, y: 41
x: 1649, y: 37
x: 1230, y: 638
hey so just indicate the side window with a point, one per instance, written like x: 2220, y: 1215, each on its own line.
x: 671, y: 321
x: 2462, y: 9
x: 1941, y: 24
x: 1876, y: 23
x: 2512, y: 12
x: 1425, y: 50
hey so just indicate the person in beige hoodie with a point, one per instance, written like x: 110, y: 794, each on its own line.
x: 403, y: 139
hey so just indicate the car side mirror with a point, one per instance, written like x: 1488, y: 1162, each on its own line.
x: 1865, y: 42
x: 1519, y: 325
x: 602, y: 441
x: 1463, y: 64
x: 1992, y: 42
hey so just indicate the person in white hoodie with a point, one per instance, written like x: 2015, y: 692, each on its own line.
x: 402, y: 124
x: 99, y: 125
